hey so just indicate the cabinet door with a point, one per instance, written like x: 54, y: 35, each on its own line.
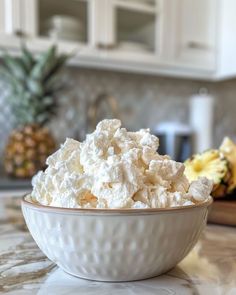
x: 2, y: 16
x: 101, y: 24
x: 10, y: 23
x: 133, y: 32
x: 10, y: 17
x: 196, y: 32
x: 65, y: 22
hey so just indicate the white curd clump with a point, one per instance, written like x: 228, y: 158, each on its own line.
x: 114, y: 168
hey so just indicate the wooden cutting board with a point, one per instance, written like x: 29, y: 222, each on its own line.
x: 223, y: 211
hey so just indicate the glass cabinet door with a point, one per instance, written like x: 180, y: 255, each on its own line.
x: 107, y: 25
x: 135, y: 25
x: 64, y: 20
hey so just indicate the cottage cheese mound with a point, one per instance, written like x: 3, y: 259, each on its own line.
x: 114, y: 168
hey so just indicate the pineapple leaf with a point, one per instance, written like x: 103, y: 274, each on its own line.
x: 41, y: 65
x: 60, y: 62
x: 53, y: 81
x: 12, y: 82
x: 42, y: 118
x: 48, y: 101
x: 27, y: 58
x: 35, y: 86
x: 15, y: 66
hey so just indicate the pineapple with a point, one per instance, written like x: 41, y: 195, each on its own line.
x: 228, y: 148
x: 34, y: 83
x: 27, y: 150
x: 213, y: 165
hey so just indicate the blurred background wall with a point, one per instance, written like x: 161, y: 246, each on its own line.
x: 143, y: 101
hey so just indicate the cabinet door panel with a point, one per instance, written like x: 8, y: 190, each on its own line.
x: 29, y: 19
x: 56, y: 21
x: 102, y: 24
x: 196, y: 31
x: 2, y: 16
x: 10, y: 16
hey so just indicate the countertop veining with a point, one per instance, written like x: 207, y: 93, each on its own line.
x: 209, y: 269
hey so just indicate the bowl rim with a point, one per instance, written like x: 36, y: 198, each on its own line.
x: 53, y: 209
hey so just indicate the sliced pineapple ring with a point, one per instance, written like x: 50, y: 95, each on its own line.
x: 213, y: 165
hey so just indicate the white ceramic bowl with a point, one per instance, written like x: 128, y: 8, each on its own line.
x: 115, y: 245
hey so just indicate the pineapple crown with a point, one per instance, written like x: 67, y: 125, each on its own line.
x: 34, y: 83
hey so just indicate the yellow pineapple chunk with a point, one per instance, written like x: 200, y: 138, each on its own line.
x: 228, y: 148
x: 213, y: 165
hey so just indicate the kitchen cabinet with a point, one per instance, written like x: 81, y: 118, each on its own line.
x: 196, y: 30
x: 184, y: 38
x: 64, y: 22
x: 2, y: 17
x: 134, y: 26
x: 10, y: 18
x: 10, y: 23
x: 203, y: 37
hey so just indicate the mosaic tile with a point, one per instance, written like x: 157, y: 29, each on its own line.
x: 143, y: 101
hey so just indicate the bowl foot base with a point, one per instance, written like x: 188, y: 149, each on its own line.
x: 106, y: 280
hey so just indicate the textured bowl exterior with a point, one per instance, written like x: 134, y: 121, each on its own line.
x: 114, y: 246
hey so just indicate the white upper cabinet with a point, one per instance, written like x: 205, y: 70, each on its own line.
x: 10, y: 19
x: 10, y: 23
x: 184, y: 38
x: 65, y: 22
x: 195, y: 28
x: 2, y: 17
x: 134, y: 26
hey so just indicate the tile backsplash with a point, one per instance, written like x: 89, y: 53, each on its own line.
x: 143, y: 101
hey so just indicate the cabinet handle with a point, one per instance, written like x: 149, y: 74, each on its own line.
x: 19, y: 33
x: 197, y: 45
x: 106, y: 46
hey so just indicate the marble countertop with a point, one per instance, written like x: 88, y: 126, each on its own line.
x: 209, y: 269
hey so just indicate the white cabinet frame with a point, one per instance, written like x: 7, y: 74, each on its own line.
x: 170, y: 57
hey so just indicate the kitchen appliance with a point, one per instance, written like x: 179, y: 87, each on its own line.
x: 201, y: 118
x: 176, y: 140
